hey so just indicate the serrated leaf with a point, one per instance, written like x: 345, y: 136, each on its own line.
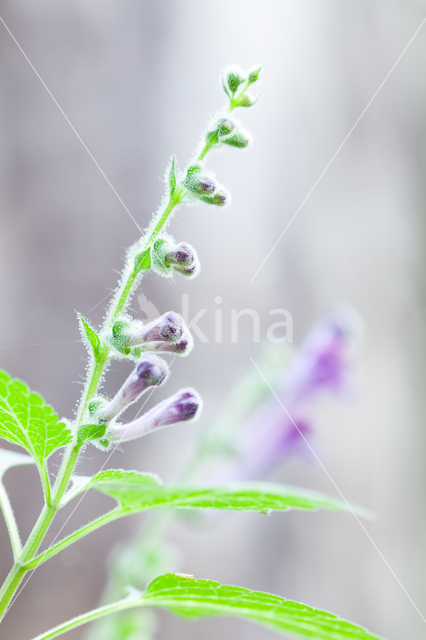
x: 192, y: 598
x: 143, y: 260
x: 26, y: 420
x: 92, y: 338
x: 140, y: 492
x: 172, y: 176
x: 10, y: 459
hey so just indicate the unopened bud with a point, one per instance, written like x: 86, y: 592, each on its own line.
x: 239, y: 139
x: 197, y: 183
x: 234, y: 78
x: 182, y: 254
x: 151, y: 371
x: 220, y: 198
x: 181, y: 347
x: 225, y: 126
x: 184, y: 406
x: 184, y: 259
x: 247, y: 100
x: 169, y: 328
x: 253, y: 75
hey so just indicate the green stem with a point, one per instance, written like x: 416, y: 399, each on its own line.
x: 234, y: 102
x: 39, y: 531
x: 71, y: 454
x: 9, y: 517
x: 77, y: 535
x: 95, y: 614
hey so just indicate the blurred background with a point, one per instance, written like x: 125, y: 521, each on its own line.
x: 138, y: 80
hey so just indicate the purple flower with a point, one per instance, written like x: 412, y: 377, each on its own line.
x: 151, y: 371
x: 183, y: 406
x: 280, y: 425
x: 169, y: 327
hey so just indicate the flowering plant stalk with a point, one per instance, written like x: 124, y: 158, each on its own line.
x: 26, y: 420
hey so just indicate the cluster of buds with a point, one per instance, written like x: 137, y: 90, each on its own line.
x: 235, y: 84
x: 167, y: 334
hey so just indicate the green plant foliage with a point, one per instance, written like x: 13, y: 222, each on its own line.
x: 192, y: 598
x: 92, y: 339
x: 139, y: 492
x: 27, y: 421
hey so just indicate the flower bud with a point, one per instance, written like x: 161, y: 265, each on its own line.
x: 247, y: 100
x: 198, y: 184
x: 225, y: 126
x: 151, y: 371
x: 220, y: 198
x: 183, y: 254
x: 254, y: 74
x: 183, y: 406
x: 234, y: 78
x: 168, y: 328
x: 184, y: 259
x: 239, y: 139
x: 181, y: 347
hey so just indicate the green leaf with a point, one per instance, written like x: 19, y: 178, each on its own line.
x: 139, y: 492
x: 192, y: 598
x: 90, y: 432
x: 172, y: 175
x: 143, y: 260
x: 92, y: 339
x: 26, y: 420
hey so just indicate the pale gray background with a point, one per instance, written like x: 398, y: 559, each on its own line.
x: 137, y: 79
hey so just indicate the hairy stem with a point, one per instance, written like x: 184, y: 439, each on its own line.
x: 69, y: 461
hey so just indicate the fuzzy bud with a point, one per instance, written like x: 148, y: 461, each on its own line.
x: 184, y: 259
x: 220, y: 198
x: 183, y: 254
x: 253, y: 75
x: 151, y: 371
x: 168, y: 328
x: 234, y: 78
x: 183, y: 406
x: 247, y: 100
x: 199, y: 184
x: 225, y: 126
x: 182, y: 347
x: 239, y: 139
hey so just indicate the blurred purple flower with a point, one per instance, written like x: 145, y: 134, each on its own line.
x: 279, y: 426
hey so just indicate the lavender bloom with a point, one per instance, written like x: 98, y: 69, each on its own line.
x: 183, y: 406
x: 169, y: 327
x: 151, y: 371
x: 182, y: 347
x: 280, y: 425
